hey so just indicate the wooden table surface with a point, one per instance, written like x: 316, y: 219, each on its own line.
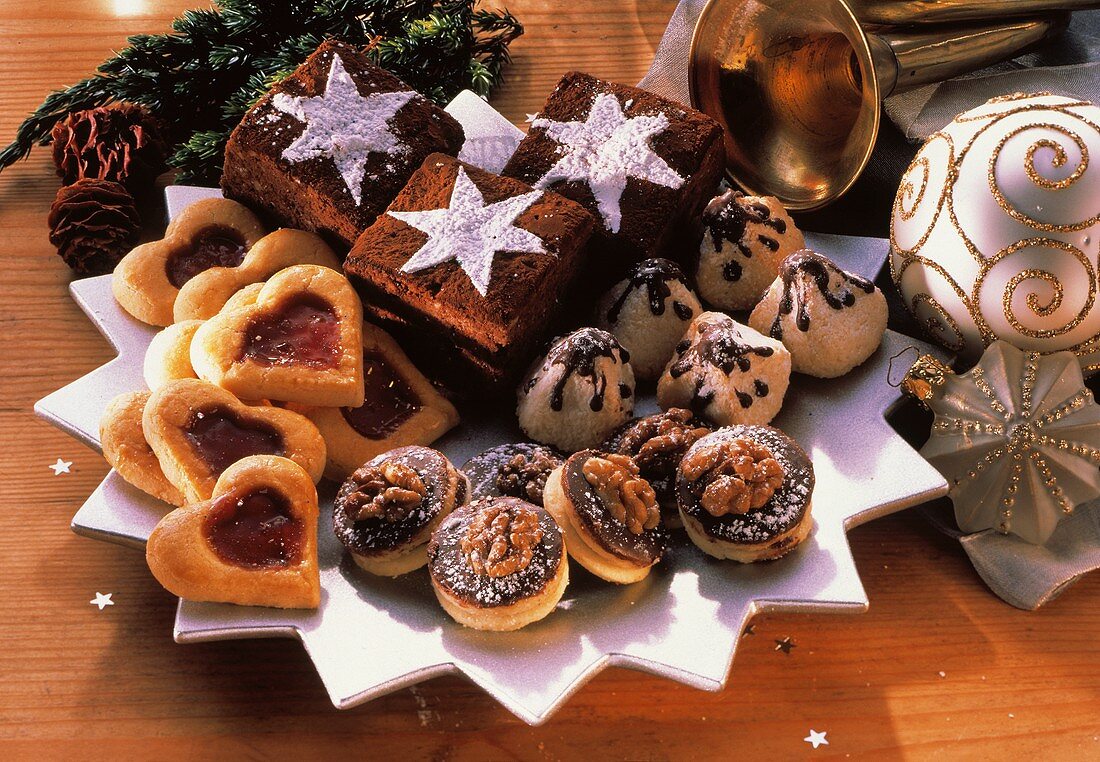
x: 937, y: 666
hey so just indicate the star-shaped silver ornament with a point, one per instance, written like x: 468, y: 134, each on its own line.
x: 471, y: 232
x: 606, y: 149
x: 343, y: 125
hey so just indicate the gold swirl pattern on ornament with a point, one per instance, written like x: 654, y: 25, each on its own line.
x: 1060, y: 160
x: 899, y: 210
x: 938, y: 329
x: 1033, y: 298
x: 906, y: 189
x: 998, y: 115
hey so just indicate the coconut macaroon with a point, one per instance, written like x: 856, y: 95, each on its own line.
x: 829, y: 319
x: 726, y: 372
x: 648, y: 311
x: 498, y: 564
x: 744, y: 493
x: 386, y: 511
x: 744, y: 240
x: 609, y: 514
x: 579, y: 392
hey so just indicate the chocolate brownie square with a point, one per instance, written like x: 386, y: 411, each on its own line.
x: 469, y: 268
x: 330, y: 146
x: 644, y: 165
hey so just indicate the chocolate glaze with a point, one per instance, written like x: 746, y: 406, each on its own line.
x: 213, y: 246
x: 389, y: 400
x: 727, y: 218
x: 221, y: 438
x: 717, y: 345
x: 804, y: 269
x: 654, y: 275
x: 445, y: 489
x: 610, y: 534
x: 484, y: 469
x: 780, y: 514
x: 254, y: 529
x: 302, y: 331
x: 577, y: 353
x: 451, y: 571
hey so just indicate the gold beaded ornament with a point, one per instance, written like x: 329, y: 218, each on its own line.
x: 1017, y: 437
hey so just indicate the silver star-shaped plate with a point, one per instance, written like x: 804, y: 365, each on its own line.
x: 372, y: 636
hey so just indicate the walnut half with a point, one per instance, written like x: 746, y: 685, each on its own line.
x: 524, y: 476
x: 501, y: 540
x: 390, y: 491
x: 628, y: 497
x: 733, y: 476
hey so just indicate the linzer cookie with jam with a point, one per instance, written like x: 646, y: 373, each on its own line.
x: 498, y: 564
x: 830, y: 320
x: 253, y: 543
x: 744, y: 493
x: 644, y: 165
x: 726, y: 372
x: 213, y: 232
x: 467, y: 269
x: 198, y: 430
x: 400, y: 407
x: 386, y: 511
x: 331, y: 145
x: 744, y: 240
x: 126, y: 449
x: 609, y: 515
x: 519, y: 469
x: 296, y: 338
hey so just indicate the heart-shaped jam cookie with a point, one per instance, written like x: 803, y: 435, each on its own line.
x: 125, y: 448
x: 298, y: 338
x: 254, y: 542
x: 206, y: 293
x: 169, y: 354
x: 214, y: 232
x: 198, y: 430
x: 400, y: 407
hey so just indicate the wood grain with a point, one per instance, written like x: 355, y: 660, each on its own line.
x: 937, y: 666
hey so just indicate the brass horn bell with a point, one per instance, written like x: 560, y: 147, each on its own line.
x: 797, y: 84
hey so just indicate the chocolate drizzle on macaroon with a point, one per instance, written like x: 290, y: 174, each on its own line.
x: 718, y: 345
x: 654, y: 275
x: 802, y: 271
x: 577, y: 354
x: 727, y: 217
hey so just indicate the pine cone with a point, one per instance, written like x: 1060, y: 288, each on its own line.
x: 93, y: 223
x: 122, y: 144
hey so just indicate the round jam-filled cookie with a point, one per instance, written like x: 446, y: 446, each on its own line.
x: 579, y: 393
x: 253, y: 543
x: 829, y: 319
x: 744, y: 493
x: 498, y: 563
x: 213, y: 232
x: 386, y: 511
x: 126, y: 449
x: 169, y: 354
x: 609, y: 514
x: 744, y: 240
x: 648, y: 313
x: 206, y: 293
x: 516, y: 470
x: 726, y: 372
x: 657, y: 443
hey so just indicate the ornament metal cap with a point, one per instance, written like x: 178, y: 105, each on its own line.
x: 924, y: 378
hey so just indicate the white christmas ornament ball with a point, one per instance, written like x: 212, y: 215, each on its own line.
x: 995, y: 234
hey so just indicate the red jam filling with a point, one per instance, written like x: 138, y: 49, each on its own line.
x: 221, y: 438
x: 214, y: 246
x: 390, y: 401
x: 302, y: 331
x: 254, y: 529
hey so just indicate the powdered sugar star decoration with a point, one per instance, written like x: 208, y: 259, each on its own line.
x: 817, y: 738
x: 61, y: 467
x: 470, y: 231
x: 343, y: 125
x: 101, y: 600
x: 604, y: 150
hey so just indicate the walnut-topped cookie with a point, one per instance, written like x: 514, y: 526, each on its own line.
x: 386, y: 510
x: 744, y: 493
x: 213, y: 232
x: 253, y: 543
x: 609, y: 514
x: 518, y: 469
x: 298, y: 338
x: 498, y: 563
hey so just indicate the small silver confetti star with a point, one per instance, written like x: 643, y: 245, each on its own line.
x: 101, y: 600
x: 750, y: 630
x: 61, y: 467
x: 785, y: 645
x: 817, y: 739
